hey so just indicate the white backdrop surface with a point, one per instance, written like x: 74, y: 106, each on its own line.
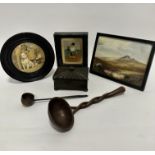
x: 125, y: 122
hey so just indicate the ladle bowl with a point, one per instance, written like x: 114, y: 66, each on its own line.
x: 27, y: 99
x: 61, y: 114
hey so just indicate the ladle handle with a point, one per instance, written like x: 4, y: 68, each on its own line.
x: 65, y: 97
x: 95, y: 100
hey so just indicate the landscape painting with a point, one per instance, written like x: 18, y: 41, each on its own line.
x: 121, y: 60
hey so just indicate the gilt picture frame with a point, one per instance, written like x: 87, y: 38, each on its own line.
x: 122, y: 59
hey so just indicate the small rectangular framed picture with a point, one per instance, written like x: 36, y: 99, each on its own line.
x: 122, y: 59
x: 71, y: 48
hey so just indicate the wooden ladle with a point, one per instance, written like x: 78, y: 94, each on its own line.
x: 61, y: 114
x: 28, y: 99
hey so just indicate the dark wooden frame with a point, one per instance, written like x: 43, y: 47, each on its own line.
x: 152, y: 43
x: 14, y: 41
x: 57, y: 38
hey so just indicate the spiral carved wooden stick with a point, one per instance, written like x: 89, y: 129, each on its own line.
x: 95, y: 100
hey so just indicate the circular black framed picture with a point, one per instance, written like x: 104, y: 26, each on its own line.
x: 27, y: 57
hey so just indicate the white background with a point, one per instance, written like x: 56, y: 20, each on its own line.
x: 125, y: 122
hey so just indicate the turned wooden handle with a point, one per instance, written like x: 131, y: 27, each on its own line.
x: 95, y: 100
x: 115, y: 92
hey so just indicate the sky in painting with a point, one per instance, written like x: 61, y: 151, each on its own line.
x: 117, y: 48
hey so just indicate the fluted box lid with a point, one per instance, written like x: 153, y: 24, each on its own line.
x: 70, y: 73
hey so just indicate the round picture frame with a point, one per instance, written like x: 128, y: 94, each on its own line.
x: 27, y: 57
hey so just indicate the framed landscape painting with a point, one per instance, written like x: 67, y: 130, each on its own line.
x: 122, y: 59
